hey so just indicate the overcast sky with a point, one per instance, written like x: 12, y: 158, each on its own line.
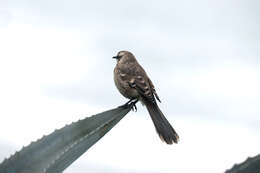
x: 203, y: 57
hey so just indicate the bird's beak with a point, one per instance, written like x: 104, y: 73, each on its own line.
x: 116, y: 57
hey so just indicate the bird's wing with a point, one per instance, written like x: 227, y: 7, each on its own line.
x: 141, y: 82
x: 137, y: 78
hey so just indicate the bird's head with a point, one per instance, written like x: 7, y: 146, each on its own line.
x: 124, y: 56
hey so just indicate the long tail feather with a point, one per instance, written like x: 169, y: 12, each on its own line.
x: 162, y: 125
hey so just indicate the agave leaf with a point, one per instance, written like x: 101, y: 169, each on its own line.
x: 55, y: 152
x: 250, y: 165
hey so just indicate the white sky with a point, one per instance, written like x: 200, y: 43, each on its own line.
x: 203, y: 59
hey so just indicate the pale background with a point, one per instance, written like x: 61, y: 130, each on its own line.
x: 203, y: 57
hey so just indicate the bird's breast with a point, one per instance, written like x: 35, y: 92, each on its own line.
x: 122, y: 83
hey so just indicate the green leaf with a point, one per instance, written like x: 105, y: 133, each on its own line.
x: 55, y: 152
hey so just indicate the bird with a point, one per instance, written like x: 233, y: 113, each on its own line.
x: 133, y: 83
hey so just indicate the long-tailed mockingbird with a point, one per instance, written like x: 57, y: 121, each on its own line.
x: 133, y: 83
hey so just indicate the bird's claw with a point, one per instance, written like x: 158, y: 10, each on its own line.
x: 130, y: 104
x: 133, y: 106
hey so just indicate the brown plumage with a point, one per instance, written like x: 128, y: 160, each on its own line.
x: 132, y: 82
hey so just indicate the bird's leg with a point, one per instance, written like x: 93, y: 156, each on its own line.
x: 131, y: 103
x: 133, y: 106
x: 127, y: 104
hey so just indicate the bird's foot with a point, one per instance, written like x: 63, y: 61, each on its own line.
x: 126, y: 105
x: 130, y: 104
x: 133, y: 105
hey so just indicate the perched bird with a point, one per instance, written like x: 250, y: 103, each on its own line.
x: 133, y: 83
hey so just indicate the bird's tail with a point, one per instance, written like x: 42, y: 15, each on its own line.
x: 162, y: 125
